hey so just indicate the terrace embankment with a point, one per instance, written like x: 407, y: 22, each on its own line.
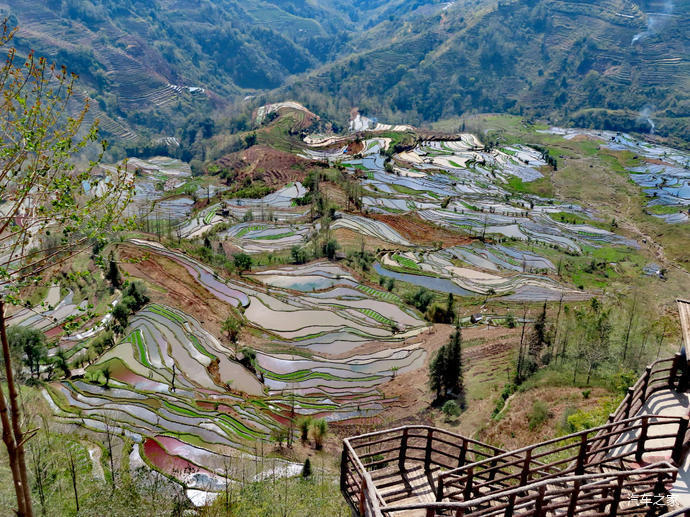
x: 487, y: 353
x: 171, y: 284
x: 274, y: 167
x: 419, y: 231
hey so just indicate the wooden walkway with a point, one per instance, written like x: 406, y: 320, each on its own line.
x: 420, y: 471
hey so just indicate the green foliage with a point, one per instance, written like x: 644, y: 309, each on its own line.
x: 29, y: 344
x: 445, y: 370
x: 329, y: 248
x: 306, y: 469
x: 113, y: 274
x: 421, y: 299
x: 298, y: 254
x: 451, y: 409
x: 319, y: 430
x: 537, y: 415
x: 303, y: 424
x: 243, y: 262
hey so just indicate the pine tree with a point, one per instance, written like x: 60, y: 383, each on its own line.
x: 436, y: 369
x: 113, y: 274
x: 538, y: 339
x: 454, y: 382
x: 306, y: 469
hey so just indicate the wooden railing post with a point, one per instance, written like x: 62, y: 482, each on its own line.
x: 467, y: 492
x: 628, y: 402
x: 677, y: 454
x: 524, y: 476
x: 616, y: 498
x: 642, y: 439
x: 608, y: 431
x: 645, y: 382
x: 427, y: 455
x: 362, y: 496
x: 510, y: 506
x: 343, y: 470
x: 581, y: 456
x: 463, y: 453
x: 430, y: 512
x: 439, y: 489
x: 572, y: 507
x: 539, y: 505
x: 674, y: 370
x: 403, y: 451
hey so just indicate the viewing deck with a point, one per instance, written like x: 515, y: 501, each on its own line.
x: 635, y: 464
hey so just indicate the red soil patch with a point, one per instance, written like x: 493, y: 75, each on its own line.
x: 174, y: 286
x: 260, y: 162
x: 168, y: 463
x: 355, y: 147
x: 419, y: 231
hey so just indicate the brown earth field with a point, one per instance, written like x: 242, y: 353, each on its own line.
x: 171, y: 284
x: 421, y: 232
x: 487, y: 351
x: 274, y: 167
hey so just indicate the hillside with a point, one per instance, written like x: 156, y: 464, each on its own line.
x: 614, y: 64
x: 149, y: 64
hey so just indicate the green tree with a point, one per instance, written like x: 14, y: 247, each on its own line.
x: 121, y: 314
x: 243, y: 262
x: 319, y: 430
x: 436, y: 368
x: 453, y: 379
x: 113, y: 273
x: 106, y: 373
x: 329, y: 248
x: 232, y: 327
x: 60, y: 362
x: 450, y: 409
x: 539, y: 339
x: 306, y: 469
x: 31, y: 344
x: 303, y: 424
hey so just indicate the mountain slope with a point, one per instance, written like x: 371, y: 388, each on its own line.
x: 136, y: 58
x: 598, y: 63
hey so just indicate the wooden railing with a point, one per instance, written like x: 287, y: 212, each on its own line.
x: 465, y: 472
x: 594, y: 495
x: 616, y: 445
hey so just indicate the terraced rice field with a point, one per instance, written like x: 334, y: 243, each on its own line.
x: 267, y: 237
x: 663, y: 172
x: 179, y: 393
x: 172, y: 383
x: 501, y: 281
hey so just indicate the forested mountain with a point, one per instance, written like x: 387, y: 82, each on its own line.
x: 610, y: 63
x: 137, y: 59
x: 151, y: 65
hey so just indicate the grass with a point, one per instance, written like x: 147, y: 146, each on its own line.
x: 274, y: 236
x: 402, y: 189
x: 665, y: 209
x: 406, y: 262
x: 540, y: 187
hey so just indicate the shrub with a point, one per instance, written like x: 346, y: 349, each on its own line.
x: 538, y: 415
x: 306, y: 469
x: 451, y: 409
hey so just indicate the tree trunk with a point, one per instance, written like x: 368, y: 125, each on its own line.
x: 22, y: 483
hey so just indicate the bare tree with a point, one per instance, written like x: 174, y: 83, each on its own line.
x: 43, y: 191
